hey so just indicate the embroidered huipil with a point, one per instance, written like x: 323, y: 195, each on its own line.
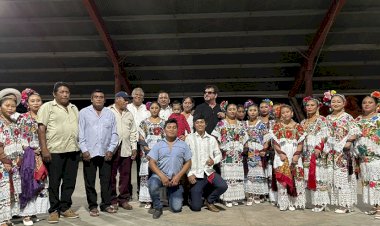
x: 341, y: 181
x: 10, y: 182
x: 317, y: 181
x: 256, y: 181
x: 231, y: 138
x: 29, y: 138
x: 368, y: 149
x: 269, y: 166
x: 151, y: 133
x: 288, y: 139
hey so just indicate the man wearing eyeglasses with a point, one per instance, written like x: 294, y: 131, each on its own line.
x: 210, y: 110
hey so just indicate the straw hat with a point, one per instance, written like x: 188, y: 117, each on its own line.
x: 13, y: 91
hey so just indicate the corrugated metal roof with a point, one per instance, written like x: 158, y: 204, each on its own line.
x: 243, y: 46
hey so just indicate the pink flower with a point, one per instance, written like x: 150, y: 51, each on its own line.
x: 375, y: 138
x: 327, y: 95
x: 372, y: 184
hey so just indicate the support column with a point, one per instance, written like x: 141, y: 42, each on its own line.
x: 121, y: 80
x: 307, y: 69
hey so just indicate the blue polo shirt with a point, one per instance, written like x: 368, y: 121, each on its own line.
x: 170, y: 162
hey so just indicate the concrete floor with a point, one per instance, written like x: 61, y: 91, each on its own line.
x: 259, y: 214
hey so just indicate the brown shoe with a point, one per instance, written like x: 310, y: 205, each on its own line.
x: 211, y: 207
x: 53, y: 218
x: 70, y: 214
x: 126, y: 206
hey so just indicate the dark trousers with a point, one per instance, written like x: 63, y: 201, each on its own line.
x: 89, y: 173
x: 216, y: 189
x: 123, y: 165
x: 62, y: 168
x: 138, y: 163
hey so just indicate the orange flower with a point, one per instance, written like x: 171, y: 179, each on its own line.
x: 365, y: 132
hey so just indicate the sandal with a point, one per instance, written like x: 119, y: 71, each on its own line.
x: 373, y: 211
x: 110, y: 209
x: 341, y: 210
x: 94, y: 212
x: 27, y: 221
x: 249, y: 201
x: 256, y: 200
x: 7, y: 223
x: 377, y: 215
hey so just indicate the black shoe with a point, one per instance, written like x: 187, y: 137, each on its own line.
x: 151, y: 211
x: 157, y: 213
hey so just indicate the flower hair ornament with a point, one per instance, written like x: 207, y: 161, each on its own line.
x: 269, y: 102
x: 309, y: 98
x: 248, y: 104
x: 25, y: 94
x: 327, y: 96
x: 148, y: 104
x: 277, y: 110
x: 376, y: 95
x: 223, y: 105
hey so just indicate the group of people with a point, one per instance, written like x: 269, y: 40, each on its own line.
x: 200, y: 155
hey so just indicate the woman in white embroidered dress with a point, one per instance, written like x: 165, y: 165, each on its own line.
x: 288, y: 139
x: 368, y: 149
x: 268, y: 117
x: 10, y: 159
x: 343, y: 131
x: 314, y: 159
x: 39, y: 203
x: 256, y: 183
x: 231, y: 136
x: 151, y: 130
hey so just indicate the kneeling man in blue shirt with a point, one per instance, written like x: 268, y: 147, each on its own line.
x: 169, y: 160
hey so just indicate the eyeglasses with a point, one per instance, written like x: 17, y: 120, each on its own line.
x: 209, y: 92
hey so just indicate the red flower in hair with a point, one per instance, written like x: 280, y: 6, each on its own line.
x: 25, y: 94
x: 376, y: 94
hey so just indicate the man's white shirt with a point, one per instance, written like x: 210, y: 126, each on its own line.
x: 202, y: 149
x: 139, y: 113
x: 165, y: 113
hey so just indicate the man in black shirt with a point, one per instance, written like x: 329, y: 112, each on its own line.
x: 210, y: 110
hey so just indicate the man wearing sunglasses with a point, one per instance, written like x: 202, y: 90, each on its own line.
x: 210, y: 110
